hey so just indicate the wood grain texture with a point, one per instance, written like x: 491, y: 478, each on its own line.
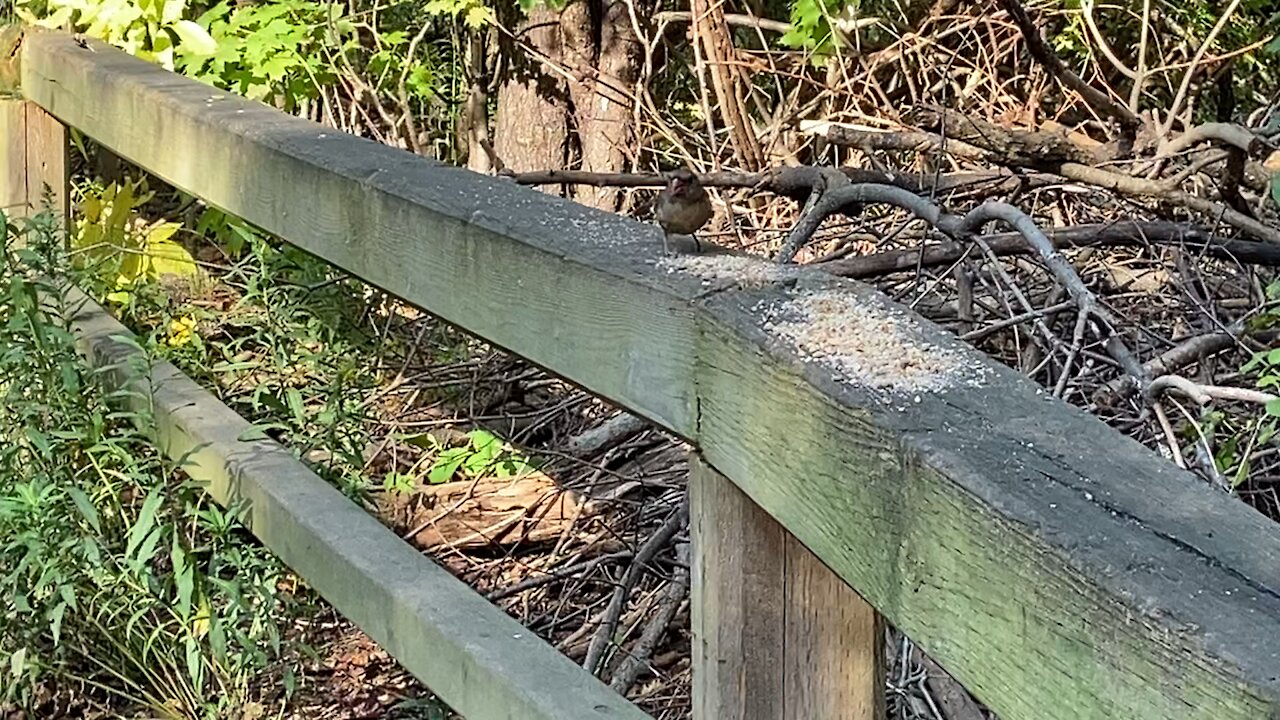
x: 834, y: 657
x: 1055, y: 567
x: 738, y: 607
x: 47, y: 152
x: 13, y: 156
x: 777, y: 635
x: 480, y: 661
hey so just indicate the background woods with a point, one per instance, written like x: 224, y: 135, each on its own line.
x: 879, y: 139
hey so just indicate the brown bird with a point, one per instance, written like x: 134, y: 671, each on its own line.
x: 683, y: 207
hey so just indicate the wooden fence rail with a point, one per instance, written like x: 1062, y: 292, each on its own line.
x: 1055, y: 567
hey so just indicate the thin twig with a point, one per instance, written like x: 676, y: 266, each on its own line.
x: 638, y: 659
x: 1181, y: 95
x: 600, y: 641
x: 976, y: 335
x: 551, y: 576
x: 858, y: 193
x: 1122, y: 232
x: 1065, y: 274
x: 1096, y: 99
x: 1203, y: 394
x: 1170, y: 437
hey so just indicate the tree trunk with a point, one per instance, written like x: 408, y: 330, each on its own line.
x: 473, y: 122
x: 603, y: 97
x: 537, y: 108
x: 532, y: 128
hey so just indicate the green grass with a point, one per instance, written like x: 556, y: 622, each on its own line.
x: 121, y: 585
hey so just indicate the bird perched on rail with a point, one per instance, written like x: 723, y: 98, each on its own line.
x: 683, y: 207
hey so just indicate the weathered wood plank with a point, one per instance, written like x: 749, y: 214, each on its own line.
x: 1055, y: 567
x: 47, y: 164
x: 1058, y: 569
x: 834, y: 657
x: 482, y: 662
x: 738, y: 613
x: 13, y: 155
x: 777, y: 635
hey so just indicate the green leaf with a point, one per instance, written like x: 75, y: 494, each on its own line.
x: 194, y: 40
x: 170, y: 258
x: 487, y: 448
x: 258, y: 431
x: 426, y: 441
x: 294, y: 399
x: 55, y: 621
x: 40, y: 440
x: 172, y: 10
x: 1273, y: 408
x: 86, y: 508
x: 446, y: 464
x: 477, y: 16
x: 290, y: 681
x: 217, y: 639
x: 513, y: 467
x: 17, y: 663
x: 146, y: 520
x: 184, y: 578
x: 148, y: 549
x: 68, y: 595
x: 195, y: 664
x: 278, y: 68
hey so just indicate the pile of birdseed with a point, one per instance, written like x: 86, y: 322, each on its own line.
x: 865, y: 344
x: 741, y: 270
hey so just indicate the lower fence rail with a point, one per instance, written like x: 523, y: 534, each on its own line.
x: 482, y: 662
x: 1055, y: 567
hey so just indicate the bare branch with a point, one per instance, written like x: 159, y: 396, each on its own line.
x: 734, y: 19
x: 1066, y: 275
x: 797, y: 182
x: 604, y: 632
x: 1141, y: 187
x: 1124, y: 232
x: 638, y: 659
x: 1205, y: 394
x: 1223, y: 133
x: 1041, y: 51
x: 1023, y: 148
x: 860, y: 194
x: 909, y: 140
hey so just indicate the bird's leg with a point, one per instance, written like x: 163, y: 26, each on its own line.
x: 697, y: 244
x: 666, y: 250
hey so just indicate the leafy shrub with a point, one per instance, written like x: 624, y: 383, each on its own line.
x: 154, y: 30
x: 118, y: 578
x: 274, y: 52
x: 119, y: 247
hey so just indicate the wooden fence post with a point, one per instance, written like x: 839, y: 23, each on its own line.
x: 34, y: 149
x: 34, y: 160
x: 776, y: 635
x: 48, y: 163
x: 13, y: 156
